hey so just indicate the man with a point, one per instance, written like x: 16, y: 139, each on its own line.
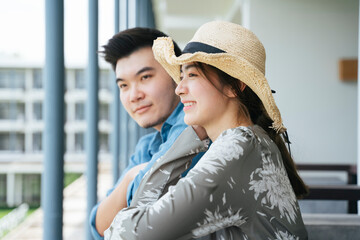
x: 147, y: 93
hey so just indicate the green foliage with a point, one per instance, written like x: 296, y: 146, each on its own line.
x: 4, y: 211
x: 70, y: 177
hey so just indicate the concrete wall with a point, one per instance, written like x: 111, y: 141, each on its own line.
x: 304, y: 40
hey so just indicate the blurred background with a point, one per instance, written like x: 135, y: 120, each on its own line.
x: 312, y: 51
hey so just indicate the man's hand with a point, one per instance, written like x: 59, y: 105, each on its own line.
x: 200, y: 131
x: 116, y: 201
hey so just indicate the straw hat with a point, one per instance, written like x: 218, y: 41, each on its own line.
x: 229, y: 47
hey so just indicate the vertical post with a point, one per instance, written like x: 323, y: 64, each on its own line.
x: 146, y: 19
x: 92, y: 113
x: 144, y: 15
x: 53, y: 175
x: 132, y: 127
x: 115, y: 111
x: 358, y: 119
x: 124, y: 117
x: 245, y: 13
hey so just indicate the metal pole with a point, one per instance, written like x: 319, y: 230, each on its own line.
x: 92, y: 113
x: 115, y: 112
x: 124, y: 117
x: 146, y: 19
x: 150, y: 15
x: 132, y: 127
x: 358, y: 120
x: 53, y: 175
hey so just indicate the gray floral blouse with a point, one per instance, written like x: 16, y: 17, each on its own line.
x: 238, y: 190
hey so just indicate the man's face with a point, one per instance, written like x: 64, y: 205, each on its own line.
x: 146, y: 90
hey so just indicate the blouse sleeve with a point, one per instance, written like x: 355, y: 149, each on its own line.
x: 190, y: 208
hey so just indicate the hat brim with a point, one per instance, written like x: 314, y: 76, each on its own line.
x: 235, y: 66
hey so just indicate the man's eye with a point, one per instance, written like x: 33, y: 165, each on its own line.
x: 145, y: 77
x: 122, y: 86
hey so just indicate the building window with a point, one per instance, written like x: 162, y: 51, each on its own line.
x: 104, y: 142
x: 12, y: 78
x: 31, y: 189
x: 79, y: 111
x: 2, y: 190
x: 4, y: 110
x: 3, y: 79
x: 105, y: 79
x: 37, y: 142
x: 104, y: 111
x: 4, y: 142
x: 12, y: 141
x: 37, y: 111
x: 79, y: 142
x: 37, y: 79
x: 12, y: 110
x: 79, y: 79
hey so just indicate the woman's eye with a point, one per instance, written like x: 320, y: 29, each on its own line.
x: 192, y: 75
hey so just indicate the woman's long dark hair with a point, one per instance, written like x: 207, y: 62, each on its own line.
x: 251, y: 105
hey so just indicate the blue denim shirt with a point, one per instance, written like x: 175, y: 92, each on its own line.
x: 148, y: 149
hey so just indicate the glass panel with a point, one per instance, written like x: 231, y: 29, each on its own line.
x: 79, y: 79
x: 79, y: 111
x: 12, y: 110
x: 3, y: 189
x: 12, y: 141
x: 104, y: 111
x: 31, y: 189
x: 37, y: 78
x: 37, y: 142
x: 79, y: 142
x: 18, y: 76
x: 37, y: 111
x: 105, y: 79
x: 20, y: 111
x: 19, y: 142
x: 4, y: 79
x: 12, y: 78
x: 104, y: 142
x: 4, y: 110
x: 4, y: 142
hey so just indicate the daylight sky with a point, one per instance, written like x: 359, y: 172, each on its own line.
x: 22, y: 29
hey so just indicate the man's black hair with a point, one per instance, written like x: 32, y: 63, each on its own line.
x: 126, y: 42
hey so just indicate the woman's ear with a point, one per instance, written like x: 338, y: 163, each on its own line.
x: 231, y: 93
x: 242, y: 86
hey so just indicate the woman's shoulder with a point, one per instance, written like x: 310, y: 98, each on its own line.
x: 235, y: 142
x: 243, y: 133
x: 246, y: 139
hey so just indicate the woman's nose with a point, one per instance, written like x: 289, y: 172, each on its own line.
x: 180, y: 89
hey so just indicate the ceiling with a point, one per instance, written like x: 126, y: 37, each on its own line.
x: 180, y: 18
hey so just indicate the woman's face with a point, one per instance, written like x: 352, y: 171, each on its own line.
x: 203, y: 97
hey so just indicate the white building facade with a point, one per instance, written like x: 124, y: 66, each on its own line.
x: 22, y: 125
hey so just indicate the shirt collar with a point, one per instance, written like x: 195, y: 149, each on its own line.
x: 161, y: 137
x: 174, y: 116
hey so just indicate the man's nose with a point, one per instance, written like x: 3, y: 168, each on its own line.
x: 136, y: 94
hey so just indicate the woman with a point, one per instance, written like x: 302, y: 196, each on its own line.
x: 246, y: 185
